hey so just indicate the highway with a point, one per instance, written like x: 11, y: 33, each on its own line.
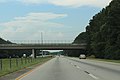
x: 65, y: 68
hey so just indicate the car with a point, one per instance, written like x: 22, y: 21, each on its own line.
x: 82, y: 56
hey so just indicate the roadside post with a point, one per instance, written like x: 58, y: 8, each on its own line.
x: 0, y: 64
x: 17, y: 61
x: 10, y: 62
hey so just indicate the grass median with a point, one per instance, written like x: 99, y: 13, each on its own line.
x: 14, y: 64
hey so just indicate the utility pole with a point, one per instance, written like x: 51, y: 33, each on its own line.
x: 41, y: 38
x: 42, y: 41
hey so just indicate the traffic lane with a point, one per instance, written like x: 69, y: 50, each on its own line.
x: 98, y: 69
x: 113, y: 67
x: 57, y: 69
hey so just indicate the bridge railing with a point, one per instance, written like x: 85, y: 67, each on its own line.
x: 44, y: 44
x: 41, y: 42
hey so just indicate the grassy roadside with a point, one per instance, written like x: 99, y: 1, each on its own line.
x: 106, y: 60
x: 20, y: 64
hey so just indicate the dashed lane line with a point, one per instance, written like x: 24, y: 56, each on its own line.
x: 91, y: 75
x: 78, y: 67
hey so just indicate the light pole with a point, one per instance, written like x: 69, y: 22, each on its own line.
x: 41, y: 38
x: 42, y: 41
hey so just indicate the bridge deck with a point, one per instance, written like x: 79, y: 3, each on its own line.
x: 43, y: 46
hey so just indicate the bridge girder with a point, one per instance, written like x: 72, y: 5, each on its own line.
x: 44, y: 46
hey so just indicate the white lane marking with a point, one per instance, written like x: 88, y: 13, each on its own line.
x: 75, y: 65
x: 85, y: 71
x: 78, y: 67
x: 72, y: 63
x: 93, y: 76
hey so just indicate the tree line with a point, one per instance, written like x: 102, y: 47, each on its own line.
x: 102, y: 34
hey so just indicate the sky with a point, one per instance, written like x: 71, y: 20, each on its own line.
x: 56, y: 20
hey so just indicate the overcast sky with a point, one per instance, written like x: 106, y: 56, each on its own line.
x: 56, y: 19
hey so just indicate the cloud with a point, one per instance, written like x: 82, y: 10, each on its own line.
x: 65, y: 3
x: 33, y: 1
x: 79, y: 3
x: 70, y: 3
x: 40, y: 16
x: 30, y: 26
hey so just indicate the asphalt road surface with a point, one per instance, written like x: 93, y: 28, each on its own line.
x: 64, y: 68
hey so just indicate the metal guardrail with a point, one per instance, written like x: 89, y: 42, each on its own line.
x: 41, y: 41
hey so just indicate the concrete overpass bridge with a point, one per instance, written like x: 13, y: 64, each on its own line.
x: 42, y: 46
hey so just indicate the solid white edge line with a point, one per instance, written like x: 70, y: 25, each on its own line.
x: 93, y: 76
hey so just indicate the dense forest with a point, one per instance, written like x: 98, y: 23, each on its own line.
x: 102, y: 33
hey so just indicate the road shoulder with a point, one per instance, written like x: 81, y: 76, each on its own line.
x: 14, y: 75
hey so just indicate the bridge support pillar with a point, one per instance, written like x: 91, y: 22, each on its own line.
x: 33, y: 53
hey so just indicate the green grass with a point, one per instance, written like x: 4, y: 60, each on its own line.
x: 115, y: 61
x: 106, y: 60
x: 22, y: 63
x: 92, y: 57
